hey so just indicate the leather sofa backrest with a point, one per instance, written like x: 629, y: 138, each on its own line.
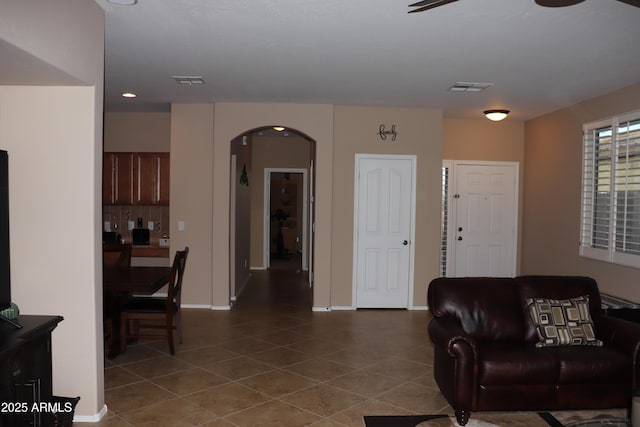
x: 556, y: 287
x: 486, y: 308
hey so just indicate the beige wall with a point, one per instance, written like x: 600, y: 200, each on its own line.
x: 269, y: 152
x: 419, y: 133
x: 484, y: 140
x: 553, y: 152
x: 54, y: 139
x: 139, y: 132
x: 481, y: 139
x: 234, y: 119
x: 191, y: 197
x: 240, y: 244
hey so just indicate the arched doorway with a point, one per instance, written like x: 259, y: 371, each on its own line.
x: 271, y: 209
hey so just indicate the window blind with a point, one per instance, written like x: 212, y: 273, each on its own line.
x: 610, y: 220
x: 444, y: 221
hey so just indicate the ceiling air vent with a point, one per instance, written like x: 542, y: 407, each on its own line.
x: 469, y: 87
x: 189, y: 80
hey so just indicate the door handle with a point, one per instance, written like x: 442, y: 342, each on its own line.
x: 405, y: 242
x: 459, y: 237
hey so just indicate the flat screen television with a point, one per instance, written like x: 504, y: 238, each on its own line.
x: 5, y: 264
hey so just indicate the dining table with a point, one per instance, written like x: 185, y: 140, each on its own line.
x: 119, y: 283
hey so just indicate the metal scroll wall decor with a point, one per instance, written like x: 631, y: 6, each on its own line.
x: 385, y: 133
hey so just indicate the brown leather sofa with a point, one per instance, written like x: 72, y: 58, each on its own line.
x: 486, y: 358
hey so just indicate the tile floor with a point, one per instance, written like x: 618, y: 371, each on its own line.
x: 271, y: 361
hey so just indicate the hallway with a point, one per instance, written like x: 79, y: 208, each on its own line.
x: 273, y: 361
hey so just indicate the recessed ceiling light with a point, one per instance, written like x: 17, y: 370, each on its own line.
x: 278, y: 128
x: 129, y: 95
x: 123, y: 2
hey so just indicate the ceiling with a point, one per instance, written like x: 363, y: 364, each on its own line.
x: 369, y: 52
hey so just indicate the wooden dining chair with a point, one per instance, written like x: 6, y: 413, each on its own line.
x: 166, y: 310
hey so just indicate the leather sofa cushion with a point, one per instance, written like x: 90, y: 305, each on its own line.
x: 593, y: 365
x: 502, y: 364
x: 486, y: 308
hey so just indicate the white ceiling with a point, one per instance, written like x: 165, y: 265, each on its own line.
x: 370, y: 52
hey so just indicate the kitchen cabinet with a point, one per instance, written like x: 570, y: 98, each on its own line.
x: 25, y: 372
x: 151, y: 178
x: 135, y: 179
x: 117, y: 179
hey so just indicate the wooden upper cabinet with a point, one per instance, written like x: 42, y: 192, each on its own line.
x: 162, y: 178
x: 144, y: 185
x: 136, y: 179
x: 117, y: 179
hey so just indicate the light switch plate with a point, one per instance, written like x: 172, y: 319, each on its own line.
x: 107, y: 226
x: 180, y: 225
x: 130, y: 225
x: 150, y: 225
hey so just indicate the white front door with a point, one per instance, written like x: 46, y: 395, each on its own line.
x: 383, y: 230
x: 485, y: 220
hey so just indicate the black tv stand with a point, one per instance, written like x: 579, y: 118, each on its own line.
x: 25, y: 371
x: 12, y: 322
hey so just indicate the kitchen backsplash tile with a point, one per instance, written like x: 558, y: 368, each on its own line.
x: 119, y: 216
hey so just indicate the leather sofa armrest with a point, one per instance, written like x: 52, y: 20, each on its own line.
x: 455, y: 359
x: 446, y: 333
x: 624, y: 336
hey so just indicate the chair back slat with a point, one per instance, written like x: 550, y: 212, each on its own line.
x: 174, y: 290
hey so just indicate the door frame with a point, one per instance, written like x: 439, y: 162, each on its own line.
x: 452, y: 165
x: 356, y: 211
x: 266, y: 240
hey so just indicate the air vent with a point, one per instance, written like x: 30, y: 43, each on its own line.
x: 189, y: 80
x: 469, y: 87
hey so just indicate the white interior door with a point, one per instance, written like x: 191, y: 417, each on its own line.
x: 383, y: 231
x: 485, y: 227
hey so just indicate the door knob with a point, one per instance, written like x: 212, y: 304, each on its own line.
x: 405, y: 242
x: 459, y: 237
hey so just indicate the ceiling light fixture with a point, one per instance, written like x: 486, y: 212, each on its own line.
x: 496, y: 115
x: 123, y: 2
x: 278, y: 128
x: 129, y: 95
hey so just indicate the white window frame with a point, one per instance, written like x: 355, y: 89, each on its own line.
x: 622, y: 174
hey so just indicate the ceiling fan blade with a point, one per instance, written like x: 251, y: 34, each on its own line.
x: 635, y: 3
x: 428, y: 4
x: 558, y: 3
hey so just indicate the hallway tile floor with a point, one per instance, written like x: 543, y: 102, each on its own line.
x: 272, y: 361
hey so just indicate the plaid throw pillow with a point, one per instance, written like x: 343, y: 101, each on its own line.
x: 563, y: 322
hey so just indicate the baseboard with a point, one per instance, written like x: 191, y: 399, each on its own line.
x: 200, y: 306
x: 91, y: 418
x: 419, y: 308
x: 342, y: 307
x: 321, y: 309
x: 219, y: 307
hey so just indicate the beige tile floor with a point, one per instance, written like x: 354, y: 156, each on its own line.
x: 272, y: 361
